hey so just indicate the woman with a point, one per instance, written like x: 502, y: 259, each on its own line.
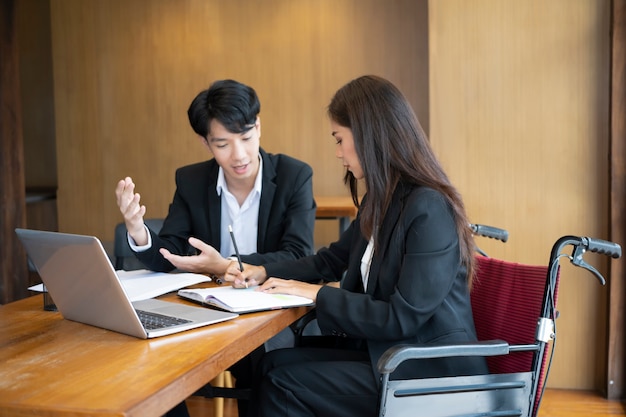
x: 408, y: 262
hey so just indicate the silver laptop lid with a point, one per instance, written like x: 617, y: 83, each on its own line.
x: 82, y: 281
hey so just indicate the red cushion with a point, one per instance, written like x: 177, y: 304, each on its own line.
x: 507, y: 300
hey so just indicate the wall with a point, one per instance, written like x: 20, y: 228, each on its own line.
x: 519, y: 116
x: 27, y: 143
x: 36, y: 91
x: 13, y: 273
x: 125, y: 73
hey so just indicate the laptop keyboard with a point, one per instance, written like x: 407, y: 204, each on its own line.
x: 153, y: 321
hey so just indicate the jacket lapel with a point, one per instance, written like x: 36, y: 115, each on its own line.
x: 386, y: 233
x: 353, y: 281
x: 214, y: 209
x: 267, y: 197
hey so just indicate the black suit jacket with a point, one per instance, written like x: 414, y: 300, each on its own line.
x: 286, y: 213
x: 417, y: 290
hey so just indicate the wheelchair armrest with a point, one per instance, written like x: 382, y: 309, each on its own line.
x: 395, y: 355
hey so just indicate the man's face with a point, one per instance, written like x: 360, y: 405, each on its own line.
x: 236, y: 153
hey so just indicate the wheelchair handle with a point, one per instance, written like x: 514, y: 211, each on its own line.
x: 581, y: 245
x: 490, y: 231
x: 603, y: 247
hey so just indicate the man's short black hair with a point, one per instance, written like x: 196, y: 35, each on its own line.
x: 235, y: 105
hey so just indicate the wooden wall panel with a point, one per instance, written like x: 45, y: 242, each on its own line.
x: 519, y: 104
x: 615, y: 381
x: 125, y: 73
x: 36, y: 92
x: 13, y: 272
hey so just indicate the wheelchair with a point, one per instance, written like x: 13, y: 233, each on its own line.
x: 516, y: 334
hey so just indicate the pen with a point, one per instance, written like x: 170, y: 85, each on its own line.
x: 232, y: 237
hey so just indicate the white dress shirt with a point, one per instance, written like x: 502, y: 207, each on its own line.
x: 366, y: 262
x: 244, y: 219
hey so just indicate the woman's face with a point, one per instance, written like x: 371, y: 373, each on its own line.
x: 345, y: 149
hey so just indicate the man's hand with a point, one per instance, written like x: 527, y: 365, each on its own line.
x: 208, y: 261
x: 133, y: 212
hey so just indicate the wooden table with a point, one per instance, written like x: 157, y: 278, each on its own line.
x: 55, y: 367
x: 341, y: 208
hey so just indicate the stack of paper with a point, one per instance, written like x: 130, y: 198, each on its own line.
x: 143, y: 284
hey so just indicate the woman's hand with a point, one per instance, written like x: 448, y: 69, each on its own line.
x: 290, y: 286
x: 256, y: 275
x: 250, y: 276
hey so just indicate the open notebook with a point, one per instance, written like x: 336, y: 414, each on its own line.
x: 80, y: 278
x: 242, y: 300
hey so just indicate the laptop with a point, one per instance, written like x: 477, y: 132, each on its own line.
x: 82, y: 281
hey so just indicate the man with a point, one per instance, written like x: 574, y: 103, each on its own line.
x: 267, y: 200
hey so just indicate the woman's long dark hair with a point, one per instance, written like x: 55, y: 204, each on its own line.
x: 392, y: 147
